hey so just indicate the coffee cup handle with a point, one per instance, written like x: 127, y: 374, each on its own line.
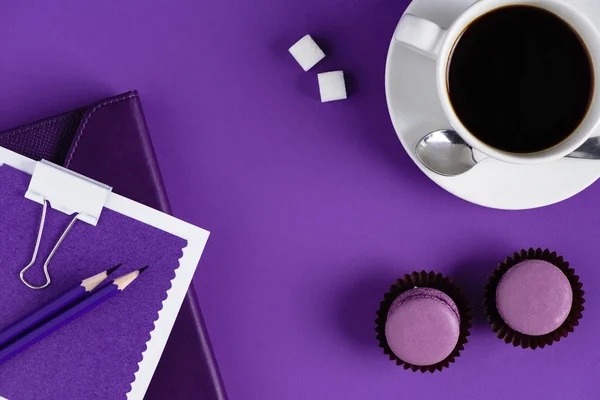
x: 421, y: 35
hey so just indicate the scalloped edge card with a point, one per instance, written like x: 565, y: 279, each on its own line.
x: 111, y: 352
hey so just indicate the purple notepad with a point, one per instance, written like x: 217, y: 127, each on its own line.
x: 96, y: 356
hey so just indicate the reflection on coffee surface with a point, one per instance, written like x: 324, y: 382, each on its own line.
x: 520, y: 79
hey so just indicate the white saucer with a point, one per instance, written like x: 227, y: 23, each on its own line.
x: 415, y: 111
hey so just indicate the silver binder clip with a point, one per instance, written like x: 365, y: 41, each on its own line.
x: 67, y: 192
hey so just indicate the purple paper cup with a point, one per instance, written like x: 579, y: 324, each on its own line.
x: 502, y: 310
x: 456, y: 303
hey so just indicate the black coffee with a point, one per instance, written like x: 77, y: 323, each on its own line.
x: 520, y: 79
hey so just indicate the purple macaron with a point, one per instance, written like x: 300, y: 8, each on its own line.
x: 422, y: 326
x: 534, y: 297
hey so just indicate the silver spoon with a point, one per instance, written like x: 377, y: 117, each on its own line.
x: 446, y: 153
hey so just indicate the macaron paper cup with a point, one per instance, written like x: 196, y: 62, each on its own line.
x: 423, y: 322
x: 533, y: 299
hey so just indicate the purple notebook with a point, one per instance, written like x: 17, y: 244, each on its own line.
x: 96, y: 356
x: 112, y: 137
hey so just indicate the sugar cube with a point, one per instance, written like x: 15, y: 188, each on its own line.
x: 332, y: 86
x: 307, y: 52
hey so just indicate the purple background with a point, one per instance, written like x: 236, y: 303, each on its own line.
x: 315, y: 208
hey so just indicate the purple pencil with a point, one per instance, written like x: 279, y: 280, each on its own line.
x: 66, y: 316
x: 86, y: 286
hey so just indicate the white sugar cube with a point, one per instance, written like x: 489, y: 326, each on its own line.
x: 332, y: 86
x: 307, y: 52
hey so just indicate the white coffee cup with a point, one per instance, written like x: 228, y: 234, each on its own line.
x: 437, y: 43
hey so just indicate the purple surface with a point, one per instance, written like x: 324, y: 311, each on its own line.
x: 314, y: 209
x: 8, y: 333
x: 107, y: 342
x: 60, y: 320
x: 534, y: 297
x: 423, y: 326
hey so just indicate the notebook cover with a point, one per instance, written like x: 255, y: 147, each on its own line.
x: 85, y: 140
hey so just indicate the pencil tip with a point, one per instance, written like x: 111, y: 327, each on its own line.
x: 113, y: 269
x: 143, y: 269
